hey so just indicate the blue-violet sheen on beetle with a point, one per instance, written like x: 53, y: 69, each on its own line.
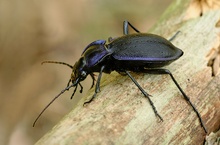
x: 139, y: 52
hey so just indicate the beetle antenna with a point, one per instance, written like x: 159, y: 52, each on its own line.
x: 58, y: 62
x: 64, y: 90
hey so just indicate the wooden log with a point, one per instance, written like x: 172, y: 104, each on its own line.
x: 121, y: 115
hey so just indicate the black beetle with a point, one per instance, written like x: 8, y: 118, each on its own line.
x: 140, y: 52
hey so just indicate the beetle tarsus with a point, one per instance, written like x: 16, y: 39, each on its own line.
x: 90, y: 100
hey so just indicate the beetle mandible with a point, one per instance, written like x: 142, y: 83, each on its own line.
x: 139, y: 52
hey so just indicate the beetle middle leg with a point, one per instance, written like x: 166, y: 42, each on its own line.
x: 145, y: 94
x: 97, y: 87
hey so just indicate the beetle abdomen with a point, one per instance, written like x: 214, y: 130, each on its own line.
x: 144, y: 47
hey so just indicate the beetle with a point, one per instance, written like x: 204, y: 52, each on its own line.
x: 138, y: 52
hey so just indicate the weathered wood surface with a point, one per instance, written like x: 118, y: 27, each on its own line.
x: 121, y: 115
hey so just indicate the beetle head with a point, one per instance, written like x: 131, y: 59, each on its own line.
x: 79, y: 72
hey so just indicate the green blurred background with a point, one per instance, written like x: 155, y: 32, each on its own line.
x: 33, y: 31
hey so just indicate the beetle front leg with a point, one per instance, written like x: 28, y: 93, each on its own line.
x: 126, y: 30
x: 145, y: 94
x: 97, y: 86
x: 93, y: 80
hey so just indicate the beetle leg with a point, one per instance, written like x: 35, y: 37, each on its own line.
x: 174, y: 36
x: 97, y: 86
x: 74, y: 92
x: 93, y: 79
x: 145, y: 94
x: 126, y: 30
x: 166, y: 71
x: 81, y: 88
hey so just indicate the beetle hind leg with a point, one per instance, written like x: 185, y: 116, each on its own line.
x: 174, y: 36
x: 126, y: 30
x: 166, y: 71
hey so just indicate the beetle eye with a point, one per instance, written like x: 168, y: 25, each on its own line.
x: 83, y: 73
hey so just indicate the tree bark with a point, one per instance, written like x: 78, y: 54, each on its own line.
x: 121, y: 115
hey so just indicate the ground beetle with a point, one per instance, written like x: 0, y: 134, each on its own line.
x: 139, y: 52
